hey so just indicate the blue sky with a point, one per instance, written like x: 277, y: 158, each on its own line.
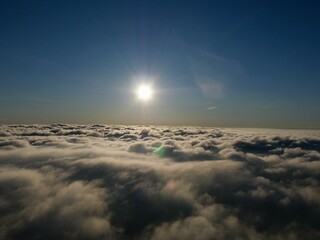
x: 212, y: 63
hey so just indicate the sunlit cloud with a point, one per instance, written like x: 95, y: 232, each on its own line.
x: 131, y: 182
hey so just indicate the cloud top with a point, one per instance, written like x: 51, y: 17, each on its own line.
x: 132, y: 182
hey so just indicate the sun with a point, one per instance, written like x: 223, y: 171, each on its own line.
x: 144, y: 92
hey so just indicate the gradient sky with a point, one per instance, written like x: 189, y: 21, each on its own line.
x: 212, y: 63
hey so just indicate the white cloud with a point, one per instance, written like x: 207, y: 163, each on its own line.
x: 122, y: 182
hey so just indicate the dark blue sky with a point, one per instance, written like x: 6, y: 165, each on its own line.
x: 212, y: 63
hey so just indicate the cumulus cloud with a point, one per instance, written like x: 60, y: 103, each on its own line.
x: 64, y: 181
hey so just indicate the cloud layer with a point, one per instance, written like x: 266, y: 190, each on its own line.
x: 132, y: 182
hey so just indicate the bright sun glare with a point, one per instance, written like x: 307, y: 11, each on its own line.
x: 144, y: 92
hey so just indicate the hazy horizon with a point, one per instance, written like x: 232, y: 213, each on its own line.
x: 158, y: 125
